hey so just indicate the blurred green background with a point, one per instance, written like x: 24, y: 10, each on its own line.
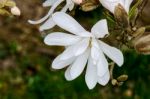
x: 25, y: 61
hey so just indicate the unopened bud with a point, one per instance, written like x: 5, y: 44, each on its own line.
x: 142, y: 44
x: 122, y: 78
x: 114, y: 82
x: 139, y: 32
x: 89, y: 5
x: 121, y: 16
x: 15, y: 11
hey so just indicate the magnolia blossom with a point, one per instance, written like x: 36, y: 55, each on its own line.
x: 83, y: 47
x: 111, y: 4
x: 49, y: 23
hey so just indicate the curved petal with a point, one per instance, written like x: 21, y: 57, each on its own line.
x: 76, y: 49
x: 59, y: 64
x: 48, y: 14
x: 61, y: 39
x: 49, y: 3
x: 67, y: 74
x: 102, y: 65
x: 81, y: 46
x: 79, y: 64
x: 65, y: 8
x: 47, y: 25
x: 104, y: 79
x: 95, y: 51
x: 100, y: 29
x: 68, y: 53
x: 98, y: 58
x: 66, y: 22
x: 94, y: 54
x: 110, y: 4
x: 113, y: 53
x: 70, y: 4
x: 91, y: 74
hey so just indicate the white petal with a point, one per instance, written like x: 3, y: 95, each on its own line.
x: 66, y: 22
x: 70, y: 4
x: 104, y: 79
x: 68, y: 53
x: 113, y: 53
x: 100, y: 29
x: 110, y: 4
x: 67, y: 74
x: 65, y: 8
x: 102, y: 65
x: 99, y: 58
x: 81, y: 46
x: 79, y: 64
x: 48, y: 14
x: 49, y: 3
x: 61, y: 39
x: 75, y: 49
x: 59, y: 64
x: 47, y: 25
x: 91, y: 74
x: 95, y: 51
x: 39, y: 21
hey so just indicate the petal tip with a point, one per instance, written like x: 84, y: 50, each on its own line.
x: 30, y: 21
x: 90, y: 87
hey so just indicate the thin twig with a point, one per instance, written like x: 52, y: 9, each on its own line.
x: 112, y: 65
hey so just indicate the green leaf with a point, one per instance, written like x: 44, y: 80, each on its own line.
x: 133, y: 10
x: 109, y: 17
x: 10, y: 4
x: 4, y: 12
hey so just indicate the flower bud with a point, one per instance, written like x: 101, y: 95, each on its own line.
x: 114, y: 82
x: 122, y: 78
x: 140, y: 31
x: 142, y: 44
x: 89, y: 5
x: 121, y: 16
x: 15, y: 11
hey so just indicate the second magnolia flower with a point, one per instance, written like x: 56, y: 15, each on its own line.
x: 83, y: 47
x: 111, y: 4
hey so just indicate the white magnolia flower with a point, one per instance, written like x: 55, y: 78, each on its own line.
x: 111, y: 4
x: 83, y: 47
x: 49, y: 23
